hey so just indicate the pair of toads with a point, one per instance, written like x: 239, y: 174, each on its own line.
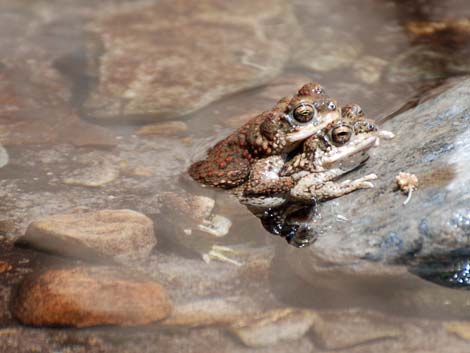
x: 294, y: 152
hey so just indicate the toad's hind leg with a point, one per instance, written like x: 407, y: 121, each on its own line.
x: 223, y: 174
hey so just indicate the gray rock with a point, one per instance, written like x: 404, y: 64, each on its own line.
x: 152, y: 68
x: 102, y: 235
x: 375, y: 229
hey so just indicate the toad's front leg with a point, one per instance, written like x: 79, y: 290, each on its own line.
x: 319, y: 186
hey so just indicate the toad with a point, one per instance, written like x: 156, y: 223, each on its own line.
x: 310, y: 174
x: 272, y: 133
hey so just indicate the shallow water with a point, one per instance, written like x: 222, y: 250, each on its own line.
x: 361, y: 51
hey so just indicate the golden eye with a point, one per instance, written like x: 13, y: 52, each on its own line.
x: 341, y: 135
x: 304, y: 113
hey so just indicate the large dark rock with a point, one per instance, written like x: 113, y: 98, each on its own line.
x: 376, y: 233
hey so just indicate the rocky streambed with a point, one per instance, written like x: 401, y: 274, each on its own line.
x: 105, y: 246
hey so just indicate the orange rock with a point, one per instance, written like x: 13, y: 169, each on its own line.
x: 90, y: 296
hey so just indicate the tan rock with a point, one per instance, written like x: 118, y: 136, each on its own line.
x: 119, y: 234
x: 207, y: 312
x: 89, y: 296
x: 274, y: 327
x: 224, y: 48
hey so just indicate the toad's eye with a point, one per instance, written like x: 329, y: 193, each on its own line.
x: 331, y: 106
x: 341, y: 135
x: 304, y: 113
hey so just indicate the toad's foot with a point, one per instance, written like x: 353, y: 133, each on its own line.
x: 331, y: 189
x: 217, y: 252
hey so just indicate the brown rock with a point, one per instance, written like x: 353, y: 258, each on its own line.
x: 118, y: 234
x: 89, y: 296
x: 166, y: 60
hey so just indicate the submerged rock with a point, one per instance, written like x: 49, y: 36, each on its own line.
x: 151, y: 68
x: 34, y: 109
x: 97, y: 170
x: 375, y: 229
x: 100, y: 235
x: 89, y: 296
x: 274, y: 327
x: 344, y: 329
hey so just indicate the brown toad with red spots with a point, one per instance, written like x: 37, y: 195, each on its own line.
x: 275, y: 132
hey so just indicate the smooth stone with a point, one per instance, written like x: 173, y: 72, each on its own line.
x: 89, y: 296
x: 97, y: 171
x: 121, y: 235
x: 274, y: 326
x: 341, y: 330
x: 184, y: 71
x: 169, y: 128
x: 4, y: 159
x: 375, y: 229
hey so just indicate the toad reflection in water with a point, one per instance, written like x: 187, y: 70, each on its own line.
x: 283, y: 162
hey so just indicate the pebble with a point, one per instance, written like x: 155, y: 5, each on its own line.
x: 122, y: 235
x: 89, y: 296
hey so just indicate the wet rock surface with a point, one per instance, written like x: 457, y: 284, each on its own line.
x: 103, y: 235
x: 89, y: 296
x: 375, y: 228
x: 169, y: 66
